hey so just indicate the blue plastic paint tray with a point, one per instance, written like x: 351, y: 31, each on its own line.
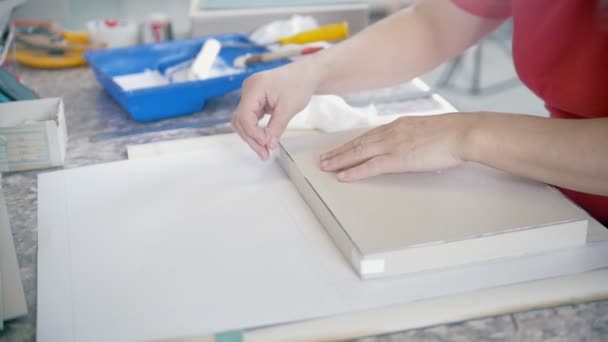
x: 174, y: 99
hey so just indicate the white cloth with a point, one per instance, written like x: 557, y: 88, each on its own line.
x: 329, y: 113
x: 283, y: 28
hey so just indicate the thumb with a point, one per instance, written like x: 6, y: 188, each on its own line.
x: 277, y: 126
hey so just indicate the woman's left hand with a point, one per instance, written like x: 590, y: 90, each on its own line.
x: 418, y: 143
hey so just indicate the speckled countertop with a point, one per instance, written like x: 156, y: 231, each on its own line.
x: 90, y: 112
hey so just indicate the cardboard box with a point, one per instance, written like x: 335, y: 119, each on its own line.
x: 245, y: 20
x: 33, y: 134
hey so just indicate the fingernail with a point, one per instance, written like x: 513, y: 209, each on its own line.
x: 324, y: 156
x: 324, y: 164
x: 342, y: 175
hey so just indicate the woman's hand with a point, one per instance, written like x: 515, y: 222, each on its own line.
x: 419, y: 143
x: 282, y: 93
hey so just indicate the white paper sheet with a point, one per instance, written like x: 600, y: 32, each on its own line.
x: 1, y: 307
x: 12, y: 295
x: 212, y: 241
x: 141, y: 80
x: 570, y: 289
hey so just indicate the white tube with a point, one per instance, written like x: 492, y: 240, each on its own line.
x: 204, y: 60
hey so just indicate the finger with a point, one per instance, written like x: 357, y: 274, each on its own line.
x: 356, y: 151
x: 237, y: 128
x: 261, y: 150
x: 370, y: 136
x: 378, y: 165
x: 359, y: 153
x: 247, y: 114
x: 249, y: 127
x: 277, y: 125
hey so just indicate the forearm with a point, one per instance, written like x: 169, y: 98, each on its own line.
x: 399, y: 47
x: 568, y: 153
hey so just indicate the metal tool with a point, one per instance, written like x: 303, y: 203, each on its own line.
x: 40, y: 44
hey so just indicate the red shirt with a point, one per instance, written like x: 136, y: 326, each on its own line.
x: 560, y: 51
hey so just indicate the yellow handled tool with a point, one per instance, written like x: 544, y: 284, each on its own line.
x: 324, y: 33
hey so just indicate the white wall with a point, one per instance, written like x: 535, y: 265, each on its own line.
x: 73, y: 14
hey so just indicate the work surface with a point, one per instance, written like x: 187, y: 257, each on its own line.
x: 90, y: 111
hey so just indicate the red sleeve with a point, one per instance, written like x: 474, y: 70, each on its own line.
x: 492, y: 9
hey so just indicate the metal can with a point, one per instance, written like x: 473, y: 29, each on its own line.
x: 156, y: 28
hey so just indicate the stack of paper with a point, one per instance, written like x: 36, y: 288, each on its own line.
x: 12, y: 298
x: 212, y: 241
x: 417, y: 221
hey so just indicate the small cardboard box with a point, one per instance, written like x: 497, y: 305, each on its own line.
x: 33, y: 134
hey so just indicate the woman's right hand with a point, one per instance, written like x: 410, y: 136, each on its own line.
x: 282, y: 93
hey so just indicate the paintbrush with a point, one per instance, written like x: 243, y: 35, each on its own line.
x: 246, y: 60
